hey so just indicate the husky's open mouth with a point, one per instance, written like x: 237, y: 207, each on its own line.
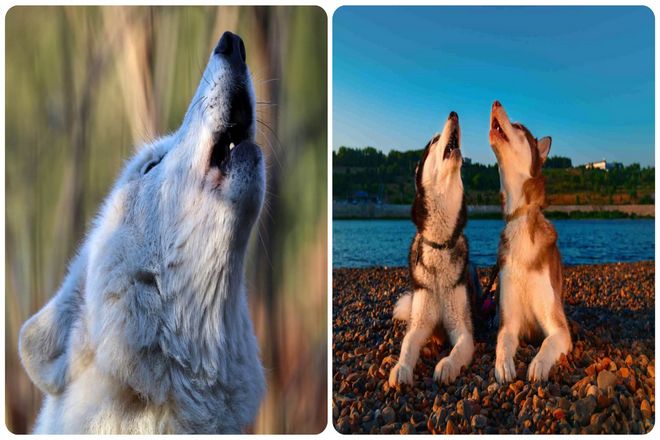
x: 496, y: 126
x: 452, y: 144
x: 497, y: 129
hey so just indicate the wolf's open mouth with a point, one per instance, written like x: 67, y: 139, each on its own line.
x: 221, y: 150
x: 451, y: 145
x: 237, y: 131
x: 223, y: 146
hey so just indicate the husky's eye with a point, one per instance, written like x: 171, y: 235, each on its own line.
x: 150, y: 165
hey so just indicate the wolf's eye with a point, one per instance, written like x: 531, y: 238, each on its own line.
x: 146, y: 277
x: 150, y: 165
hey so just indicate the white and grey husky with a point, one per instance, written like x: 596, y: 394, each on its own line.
x: 530, y: 298
x: 444, y: 282
x: 150, y: 331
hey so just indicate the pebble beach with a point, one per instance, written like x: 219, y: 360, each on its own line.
x: 606, y: 384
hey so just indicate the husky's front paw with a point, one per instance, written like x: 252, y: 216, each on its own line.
x: 400, y: 374
x: 538, y: 369
x: 505, y: 370
x: 446, y: 371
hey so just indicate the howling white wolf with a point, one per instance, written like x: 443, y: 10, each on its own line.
x: 150, y: 331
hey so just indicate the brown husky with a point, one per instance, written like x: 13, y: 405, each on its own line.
x: 530, y: 298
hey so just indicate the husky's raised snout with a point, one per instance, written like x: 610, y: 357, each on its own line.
x: 150, y: 331
x: 452, y: 149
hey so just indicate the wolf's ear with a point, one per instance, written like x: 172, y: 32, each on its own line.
x: 543, y: 146
x: 43, y: 342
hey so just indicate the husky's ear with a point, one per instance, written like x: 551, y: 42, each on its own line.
x: 43, y: 342
x: 543, y: 146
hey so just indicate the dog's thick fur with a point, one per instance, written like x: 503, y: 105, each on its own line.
x: 530, y: 298
x: 150, y: 331
x: 438, y: 261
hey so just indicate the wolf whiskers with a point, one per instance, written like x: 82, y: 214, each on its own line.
x: 270, y: 145
x: 198, y: 102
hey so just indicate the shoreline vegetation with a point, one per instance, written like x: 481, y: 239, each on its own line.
x: 369, y: 175
x: 606, y: 384
x: 386, y: 211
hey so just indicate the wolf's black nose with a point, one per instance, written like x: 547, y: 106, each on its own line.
x: 453, y: 116
x: 232, y: 47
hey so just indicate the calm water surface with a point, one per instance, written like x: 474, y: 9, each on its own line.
x: 364, y: 243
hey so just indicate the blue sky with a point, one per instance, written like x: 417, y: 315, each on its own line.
x: 583, y: 75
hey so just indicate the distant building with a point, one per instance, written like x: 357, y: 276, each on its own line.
x: 603, y: 165
x: 467, y: 161
x: 363, y: 197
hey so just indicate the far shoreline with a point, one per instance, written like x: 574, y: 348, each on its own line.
x: 384, y: 211
x: 564, y: 265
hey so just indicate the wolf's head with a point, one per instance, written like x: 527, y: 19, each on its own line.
x: 160, y: 272
x: 196, y: 193
x: 186, y: 204
x: 210, y: 165
x: 438, y: 176
x: 520, y: 157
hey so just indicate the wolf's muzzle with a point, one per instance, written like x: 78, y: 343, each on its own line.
x: 232, y: 48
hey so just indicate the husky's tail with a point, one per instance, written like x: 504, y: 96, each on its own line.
x: 403, y: 308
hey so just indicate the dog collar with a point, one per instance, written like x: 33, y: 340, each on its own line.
x: 439, y: 246
x: 434, y: 244
x: 519, y: 212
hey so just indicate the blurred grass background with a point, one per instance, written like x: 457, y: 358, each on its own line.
x: 84, y: 85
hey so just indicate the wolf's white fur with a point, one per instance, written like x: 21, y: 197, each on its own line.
x: 443, y: 303
x: 527, y: 298
x: 150, y: 331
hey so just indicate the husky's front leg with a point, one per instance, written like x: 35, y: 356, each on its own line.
x: 549, y: 313
x: 507, y: 345
x: 423, y: 317
x: 456, y: 319
x: 554, y: 345
x: 507, y: 339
